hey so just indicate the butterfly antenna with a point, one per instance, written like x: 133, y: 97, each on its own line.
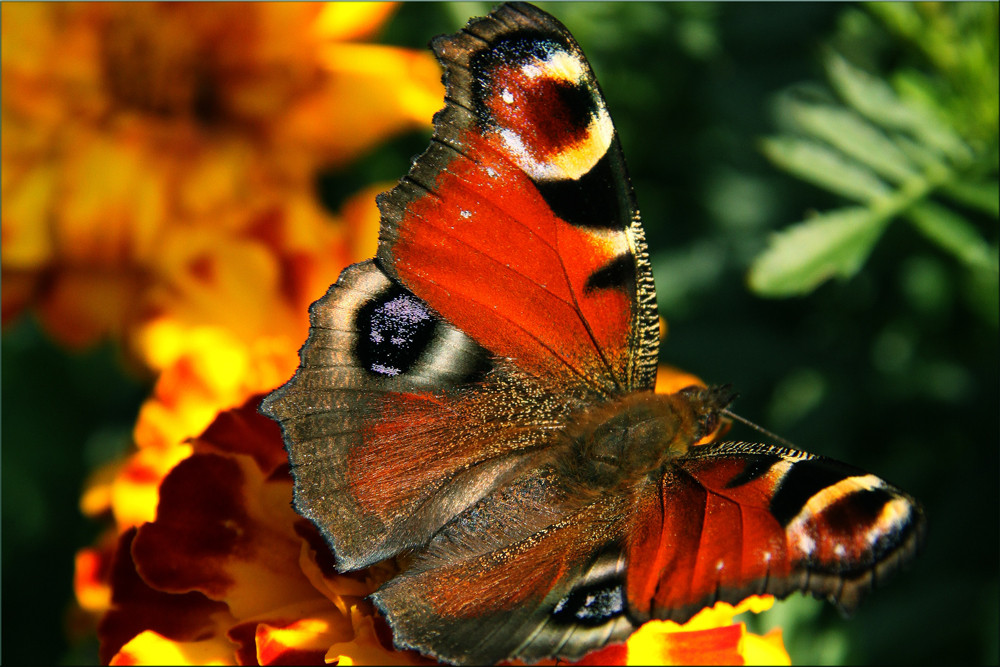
x: 758, y: 428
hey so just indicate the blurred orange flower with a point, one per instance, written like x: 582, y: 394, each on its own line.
x: 158, y: 188
x: 151, y: 149
x: 158, y: 170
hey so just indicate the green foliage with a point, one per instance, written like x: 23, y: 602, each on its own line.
x: 918, y: 144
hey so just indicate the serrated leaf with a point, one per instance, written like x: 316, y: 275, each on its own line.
x: 876, y: 100
x: 954, y: 234
x: 821, y: 165
x: 855, y: 137
x: 833, y: 244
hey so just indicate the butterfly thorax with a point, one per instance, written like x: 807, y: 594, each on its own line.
x: 625, y: 440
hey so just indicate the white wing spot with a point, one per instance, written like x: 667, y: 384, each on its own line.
x: 805, y: 544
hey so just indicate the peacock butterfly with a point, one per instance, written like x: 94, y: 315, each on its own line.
x: 480, y: 397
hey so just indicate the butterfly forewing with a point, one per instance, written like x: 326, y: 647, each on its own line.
x: 518, y: 225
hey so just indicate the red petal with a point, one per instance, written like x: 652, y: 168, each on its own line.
x: 136, y: 607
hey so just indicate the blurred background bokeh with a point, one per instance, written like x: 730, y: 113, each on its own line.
x: 247, y: 147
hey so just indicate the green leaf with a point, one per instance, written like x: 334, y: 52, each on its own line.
x: 854, y: 136
x: 821, y: 165
x: 954, y: 234
x: 902, y: 17
x: 876, y: 100
x: 801, y: 257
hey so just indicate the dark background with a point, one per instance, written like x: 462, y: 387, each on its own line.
x: 894, y: 370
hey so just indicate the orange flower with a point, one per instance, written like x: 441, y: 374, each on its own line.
x: 210, y: 357
x: 148, y: 148
x: 227, y: 573
x: 158, y: 169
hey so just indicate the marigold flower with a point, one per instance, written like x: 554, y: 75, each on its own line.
x: 149, y: 147
x: 228, y: 573
x: 157, y: 186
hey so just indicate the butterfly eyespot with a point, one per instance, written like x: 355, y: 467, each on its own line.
x: 595, y: 604
x: 537, y: 97
x: 394, y: 330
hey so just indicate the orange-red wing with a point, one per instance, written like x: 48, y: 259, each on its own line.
x: 521, y: 233
x: 733, y: 520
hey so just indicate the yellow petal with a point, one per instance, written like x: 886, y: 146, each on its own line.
x: 151, y: 648
x: 352, y: 20
x: 768, y: 649
x: 361, y: 217
x: 670, y: 379
x: 136, y: 491
x: 26, y: 238
x: 372, y: 93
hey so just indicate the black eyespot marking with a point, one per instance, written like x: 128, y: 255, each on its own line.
x: 757, y: 467
x: 861, y: 508
x: 592, y: 605
x: 804, y: 480
x: 577, y: 101
x: 593, y: 200
x: 616, y: 274
x: 518, y: 49
x: 394, y: 329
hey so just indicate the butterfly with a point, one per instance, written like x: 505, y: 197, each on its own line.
x: 478, y: 398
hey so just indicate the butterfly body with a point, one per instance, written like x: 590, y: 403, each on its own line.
x: 626, y: 440
x: 479, y: 397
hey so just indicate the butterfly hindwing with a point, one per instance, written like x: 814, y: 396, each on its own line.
x: 518, y: 225
x: 558, y: 571
x: 530, y: 572
x: 731, y: 520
